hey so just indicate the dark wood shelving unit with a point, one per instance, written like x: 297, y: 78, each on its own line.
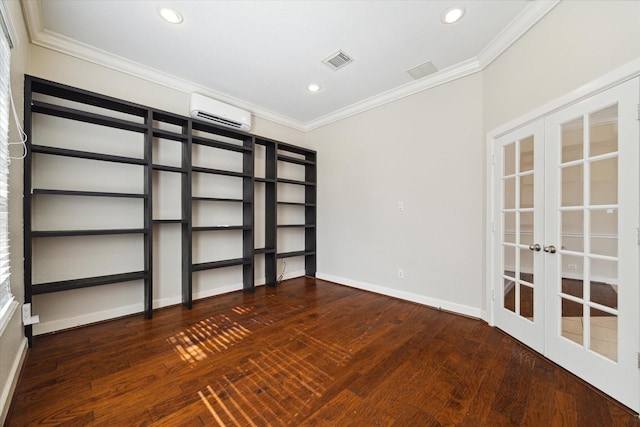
x: 275, y: 152
x: 153, y: 126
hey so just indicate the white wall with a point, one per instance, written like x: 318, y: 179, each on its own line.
x: 577, y: 42
x: 424, y: 151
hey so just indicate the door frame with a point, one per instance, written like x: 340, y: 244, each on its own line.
x: 601, y: 84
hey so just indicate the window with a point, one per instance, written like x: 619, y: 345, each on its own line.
x: 6, y: 298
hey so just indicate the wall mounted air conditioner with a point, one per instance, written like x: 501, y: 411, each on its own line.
x: 219, y: 113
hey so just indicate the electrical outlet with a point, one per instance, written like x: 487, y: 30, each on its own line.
x: 400, y: 273
x: 400, y: 206
x: 572, y: 267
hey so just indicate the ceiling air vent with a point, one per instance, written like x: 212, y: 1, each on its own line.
x: 337, y: 60
x: 422, y: 70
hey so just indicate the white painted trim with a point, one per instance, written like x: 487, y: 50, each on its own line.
x: 444, y: 76
x: 6, y: 25
x: 521, y: 24
x: 407, y: 296
x: 6, y: 317
x: 14, y: 376
x: 530, y: 16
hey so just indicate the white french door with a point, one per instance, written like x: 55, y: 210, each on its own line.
x: 566, y: 252
x: 520, y: 207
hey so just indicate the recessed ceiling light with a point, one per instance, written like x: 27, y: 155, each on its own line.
x: 313, y: 87
x: 453, y: 15
x: 171, y: 15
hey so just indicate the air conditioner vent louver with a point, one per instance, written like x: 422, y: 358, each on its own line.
x: 220, y: 120
x: 219, y: 113
x: 337, y: 60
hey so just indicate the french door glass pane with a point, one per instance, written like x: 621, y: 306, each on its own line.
x: 509, y: 159
x: 604, y: 182
x: 572, y: 230
x: 603, y: 131
x: 526, y: 301
x: 509, y: 227
x: 572, y: 327
x: 603, y: 283
x: 526, y: 191
x: 509, y: 291
x: 509, y: 193
x: 526, y: 228
x: 572, y: 137
x: 572, y: 185
x: 526, y: 265
x: 526, y: 154
x: 604, y: 334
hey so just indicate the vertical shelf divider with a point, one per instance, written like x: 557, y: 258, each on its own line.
x: 187, y: 202
x: 148, y: 216
x: 248, y: 188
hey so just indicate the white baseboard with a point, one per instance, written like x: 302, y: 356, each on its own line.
x: 407, y: 296
x: 45, y: 327
x: 10, y: 385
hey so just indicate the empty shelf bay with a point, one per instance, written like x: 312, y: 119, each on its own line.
x: 295, y: 160
x: 87, y: 117
x: 219, y: 144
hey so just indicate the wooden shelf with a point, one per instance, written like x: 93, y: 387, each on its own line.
x: 221, y: 228
x: 86, y: 155
x: 74, y: 233
x: 220, y: 172
x: 86, y: 193
x: 220, y: 264
x: 294, y: 254
x: 65, y: 285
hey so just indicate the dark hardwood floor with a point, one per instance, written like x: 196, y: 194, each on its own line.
x: 307, y: 353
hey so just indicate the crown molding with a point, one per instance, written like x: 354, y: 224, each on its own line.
x: 45, y: 38
x: 455, y: 72
x: 533, y: 13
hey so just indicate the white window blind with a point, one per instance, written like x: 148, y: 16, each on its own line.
x: 5, y: 291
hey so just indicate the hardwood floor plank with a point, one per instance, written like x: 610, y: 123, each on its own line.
x: 308, y: 353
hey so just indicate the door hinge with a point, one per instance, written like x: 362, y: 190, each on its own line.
x: 493, y: 298
x: 493, y: 227
x: 638, y: 354
x: 493, y: 159
x: 637, y: 111
x: 637, y: 235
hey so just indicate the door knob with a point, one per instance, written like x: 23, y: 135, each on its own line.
x: 550, y: 249
x: 535, y: 247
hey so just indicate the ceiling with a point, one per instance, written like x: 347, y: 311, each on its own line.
x: 262, y: 55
